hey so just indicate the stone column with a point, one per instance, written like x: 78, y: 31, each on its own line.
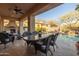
x: 1, y: 24
x: 31, y: 25
x: 21, y: 27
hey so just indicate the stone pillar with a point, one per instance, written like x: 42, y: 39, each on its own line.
x: 1, y: 24
x: 31, y: 25
x: 21, y: 27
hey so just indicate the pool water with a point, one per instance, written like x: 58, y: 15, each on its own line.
x: 67, y: 37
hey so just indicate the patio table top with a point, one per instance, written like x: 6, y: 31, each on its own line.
x: 37, y: 37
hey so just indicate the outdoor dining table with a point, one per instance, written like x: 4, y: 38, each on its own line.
x: 37, y: 38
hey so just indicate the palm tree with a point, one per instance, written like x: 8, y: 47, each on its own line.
x: 77, y: 8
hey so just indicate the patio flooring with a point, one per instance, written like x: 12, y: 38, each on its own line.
x: 65, y: 48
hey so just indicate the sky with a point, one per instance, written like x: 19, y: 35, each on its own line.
x: 56, y: 12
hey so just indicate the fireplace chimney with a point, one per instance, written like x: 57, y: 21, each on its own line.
x: 12, y: 24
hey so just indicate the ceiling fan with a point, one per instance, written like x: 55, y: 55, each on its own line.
x: 16, y: 10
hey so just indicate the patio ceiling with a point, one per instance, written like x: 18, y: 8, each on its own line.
x: 27, y: 9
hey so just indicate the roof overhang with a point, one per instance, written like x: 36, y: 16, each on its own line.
x: 40, y: 8
x: 28, y: 8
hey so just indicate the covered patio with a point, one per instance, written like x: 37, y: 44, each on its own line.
x: 29, y: 11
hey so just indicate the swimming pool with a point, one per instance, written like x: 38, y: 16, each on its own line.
x: 68, y: 37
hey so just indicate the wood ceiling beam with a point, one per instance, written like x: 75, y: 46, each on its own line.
x: 6, y: 17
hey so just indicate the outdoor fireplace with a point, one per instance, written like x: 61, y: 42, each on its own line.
x: 12, y: 27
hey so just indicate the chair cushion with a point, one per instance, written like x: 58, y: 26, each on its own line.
x: 52, y: 43
x: 6, y: 39
x: 43, y: 47
x: 26, y: 34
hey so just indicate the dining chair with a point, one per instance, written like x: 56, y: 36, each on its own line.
x: 53, y: 40
x: 5, y: 38
x: 43, y: 46
x: 26, y: 34
x: 34, y: 33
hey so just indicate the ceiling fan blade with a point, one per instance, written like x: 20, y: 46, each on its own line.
x: 21, y: 12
